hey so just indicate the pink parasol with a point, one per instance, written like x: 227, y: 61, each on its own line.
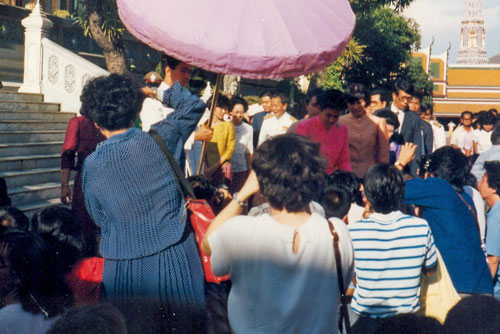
x: 254, y: 39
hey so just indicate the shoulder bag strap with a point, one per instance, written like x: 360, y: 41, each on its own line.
x: 472, y: 211
x: 182, y: 184
x: 344, y: 315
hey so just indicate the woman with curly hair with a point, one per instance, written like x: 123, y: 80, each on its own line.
x: 281, y: 263
x: 131, y: 193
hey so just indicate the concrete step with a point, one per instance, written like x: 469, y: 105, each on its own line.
x: 31, y: 208
x: 25, y: 196
x: 14, y: 96
x: 26, y: 105
x: 12, y: 65
x: 10, y: 86
x: 36, y: 115
x: 19, y: 178
x: 26, y: 162
x: 12, y: 51
x: 32, y: 125
x: 11, y: 75
x: 31, y: 136
x: 16, y: 149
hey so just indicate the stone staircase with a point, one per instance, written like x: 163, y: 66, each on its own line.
x: 31, y: 137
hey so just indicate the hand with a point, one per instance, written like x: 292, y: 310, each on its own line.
x: 227, y: 171
x: 66, y: 195
x: 204, y: 133
x: 148, y: 91
x: 407, y: 153
x: 250, y: 187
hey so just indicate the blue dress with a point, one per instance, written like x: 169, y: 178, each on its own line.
x: 131, y: 193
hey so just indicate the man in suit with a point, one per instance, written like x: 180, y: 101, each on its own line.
x: 426, y: 131
x: 410, y: 122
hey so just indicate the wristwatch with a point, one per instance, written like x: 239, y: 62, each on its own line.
x: 235, y: 198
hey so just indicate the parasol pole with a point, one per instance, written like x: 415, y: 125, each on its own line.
x: 218, y: 84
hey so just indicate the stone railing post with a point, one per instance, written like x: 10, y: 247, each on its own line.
x: 36, y: 27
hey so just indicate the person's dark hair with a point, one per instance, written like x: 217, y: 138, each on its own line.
x: 450, y: 165
x: 265, y: 93
x: 494, y: 111
x: 492, y: 169
x: 403, y: 85
x: 384, y: 96
x: 384, y: 188
x: 4, y: 196
x: 495, y: 135
x: 169, y: 61
x: 64, y: 225
x: 389, y: 116
x: 113, y: 102
x: 290, y: 171
x: 418, y: 95
x: 355, y: 92
x: 90, y: 319
x: 239, y: 100
x: 474, y: 314
x: 488, y: 118
x: 349, y: 182
x: 335, y: 201
x: 409, y: 323
x: 285, y: 99
x: 222, y: 101
x: 41, y: 285
x: 466, y: 113
x: 312, y: 93
x: 427, y: 106
x: 12, y: 218
x: 332, y: 99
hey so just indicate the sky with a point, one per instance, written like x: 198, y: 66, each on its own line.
x: 441, y: 19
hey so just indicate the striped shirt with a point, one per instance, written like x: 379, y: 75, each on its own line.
x: 390, y: 251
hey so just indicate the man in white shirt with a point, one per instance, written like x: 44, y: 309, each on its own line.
x: 463, y: 135
x: 278, y: 121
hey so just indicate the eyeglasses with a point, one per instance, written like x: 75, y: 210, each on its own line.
x: 405, y: 98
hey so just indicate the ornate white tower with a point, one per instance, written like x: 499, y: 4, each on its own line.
x: 472, y: 35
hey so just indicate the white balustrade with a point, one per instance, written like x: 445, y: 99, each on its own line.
x: 64, y: 75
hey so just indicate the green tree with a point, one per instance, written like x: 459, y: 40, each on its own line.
x: 414, y: 73
x: 388, y: 38
x: 99, y: 19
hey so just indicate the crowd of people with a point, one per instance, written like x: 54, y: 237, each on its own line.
x: 355, y: 204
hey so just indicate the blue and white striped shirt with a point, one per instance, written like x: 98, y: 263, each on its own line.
x: 390, y: 251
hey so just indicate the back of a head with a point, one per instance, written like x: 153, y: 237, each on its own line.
x: 335, y: 201
x: 450, y: 165
x: 474, y: 314
x: 332, y: 99
x: 349, y: 182
x: 91, y: 319
x: 409, y: 323
x: 113, y: 102
x: 42, y: 287
x: 389, y: 116
x: 12, y: 218
x: 290, y: 171
x: 61, y: 223
x: 384, y: 188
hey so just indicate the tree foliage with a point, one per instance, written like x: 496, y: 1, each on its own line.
x: 388, y: 38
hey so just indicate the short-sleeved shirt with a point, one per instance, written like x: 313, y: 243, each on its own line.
x: 244, y: 145
x: 273, y: 126
x: 483, y: 140
x: 390, y: 251
x: 273, y: 289
x: 462, y: 138
x: 493, y: 241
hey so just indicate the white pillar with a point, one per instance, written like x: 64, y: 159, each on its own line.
x: 36, y: 27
